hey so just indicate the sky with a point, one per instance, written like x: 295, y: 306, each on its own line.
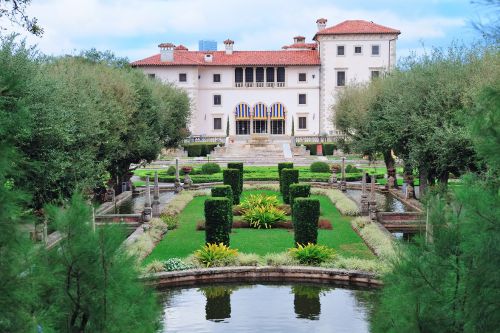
x: 134, y: 28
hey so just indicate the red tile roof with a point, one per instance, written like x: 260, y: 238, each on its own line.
x: 181, y: 48
x: 238, y: 58
x: 307, y: 46
x: 350, y: 27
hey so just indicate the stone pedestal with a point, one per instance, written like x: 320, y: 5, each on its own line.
x: 147, y: 212
x: 373, y: 210
x: 156, y: 197
x: 187, y: 181
x: 343, y: 185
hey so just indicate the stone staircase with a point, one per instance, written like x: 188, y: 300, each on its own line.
x: 261, y: 150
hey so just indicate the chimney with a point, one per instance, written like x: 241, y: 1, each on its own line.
x: 321, y: 22
x: 208, y: 57
x: 229, y: 46
x: 299, y: 39
x: 166, y: 52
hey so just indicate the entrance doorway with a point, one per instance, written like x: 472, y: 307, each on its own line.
x: 242, y: 127
x: 278, y: 126
x: 260, y: 126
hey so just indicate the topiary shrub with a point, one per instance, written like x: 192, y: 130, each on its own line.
x: 328, y: 148
x: 171, y: 170
x: 231, y: 177
x: 210, y: 168
x: 305, y: 220
x: 225, y: 191
x: 351, y: 169
x: 281, y: 166
x: 312, y: 147
x: 299, y: 191
x: 239, y: 166
x: 217, y: 220
x: 319, y: 167
x: 289, y: 177
x: 199, y: 148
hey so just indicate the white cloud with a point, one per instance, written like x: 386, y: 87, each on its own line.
x: 134, y: 28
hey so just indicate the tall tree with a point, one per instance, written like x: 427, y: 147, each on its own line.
x: 15, y: 11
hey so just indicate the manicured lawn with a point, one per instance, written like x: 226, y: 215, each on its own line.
x: 184, y: 240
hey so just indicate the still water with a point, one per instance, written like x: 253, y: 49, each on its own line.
x: 266, y: 308
x: 386, y: 202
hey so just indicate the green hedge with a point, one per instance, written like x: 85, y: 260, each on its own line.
x: 231, y: 177
x: 239, y: 166
x: 199, y: 149
x: 281, y: 166
x: 217, y: 221
x: 328, y: 148
x: 305, y: 220
x: 210, y: 168
x: 299, y: 191
x: 288, y: 177
x: 224, y: 191
x: 311, y: 147
x: 319, y: 167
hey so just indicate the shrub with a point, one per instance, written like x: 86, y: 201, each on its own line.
x: 232, y: 178
x: 379, y: 241
x: 217, y: 223
x: 210, y: 168
x: 312, y: 147
x: 366, y: 265
x: 288, y: 177
x: 171, y: 170
x: 305, y: 220
x: 319, y: 167
x: 248, y: 259
x: 170, y: 220
x: 176, y: 264
x: 239, y: 166
x: 254, y: 200
x: 351, y: 169
x: 280, y: 259
x: 199, y: 149
x: 312, y: 254
x: 328, y: 148
x: 281, y: 166
x: 215, y: 255
x: 299, y: 191
x: 155, y: 266
x: 225, y: 191
x: 263, y: 216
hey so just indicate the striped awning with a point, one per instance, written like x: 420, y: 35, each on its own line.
x: 277, y: 111
x: 242, y: 111
x: 260, y: 111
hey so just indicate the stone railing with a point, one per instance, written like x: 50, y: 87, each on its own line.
x: 318, y: 139
x: 203, y: 138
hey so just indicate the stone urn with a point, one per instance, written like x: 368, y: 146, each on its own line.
x: 187, y: 180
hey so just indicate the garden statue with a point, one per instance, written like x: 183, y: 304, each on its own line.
x: 177, y: 183
x: 187, y: 180
x: 156, y: 197
x: 390, y: 182
x: 343, y: 185
x: 146, y: 214
x: 364, y: 196
x: 409, y: 192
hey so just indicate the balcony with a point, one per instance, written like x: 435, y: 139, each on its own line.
x: 260, y: 84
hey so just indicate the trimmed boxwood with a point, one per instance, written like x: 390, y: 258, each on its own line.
x: 217, y: 220
x: 299, y: 191
x: 210, y: 168
x: 305, y: 220
x: 239, y: 166
x: 225, y: 191
x: 232, y: 178
x: 328, y: 148
x: 281, y: 166
x: 319, y: 167
x: 311, y: 147
x: 288, y: 177
x: 199, y: 148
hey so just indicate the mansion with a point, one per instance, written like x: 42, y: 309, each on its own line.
x: 269, y: 92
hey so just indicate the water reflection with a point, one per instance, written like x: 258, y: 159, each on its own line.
x: 266, y: 308
x: 386, y: 202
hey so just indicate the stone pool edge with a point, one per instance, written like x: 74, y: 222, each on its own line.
x: 261, y: 274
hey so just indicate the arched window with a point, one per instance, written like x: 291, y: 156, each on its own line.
x: 277, y: 114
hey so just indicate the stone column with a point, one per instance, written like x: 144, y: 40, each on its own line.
x: 343, y: 185
x: 146, y: 214
x: 372, y: 205
x: 333, y: 177
x: 156, y: 197
x: 268, y: 123
x: 177, y: 183
x: 251, y: 122
x: 364, y: 196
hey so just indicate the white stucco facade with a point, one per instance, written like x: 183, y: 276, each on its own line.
x: 307, y: 90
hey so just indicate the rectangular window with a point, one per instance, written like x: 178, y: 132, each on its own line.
x: 302, y: 99
x: 375, y: 49
x: 217, y: 123
x: 182, y: 77
x: 340, y: 78
x: 259, y: 74
x: 357, y: 50
x: 238, y: 74
x: 217, y: 100
x: 270, y: 74
x: 302, y: 77
x: 216, y: 77
x: 340, y: 50
x: 302, y: 122
x: 375, y: 74
x: 280, y: 74
x: 249, y: 74
x: 151, y: 76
